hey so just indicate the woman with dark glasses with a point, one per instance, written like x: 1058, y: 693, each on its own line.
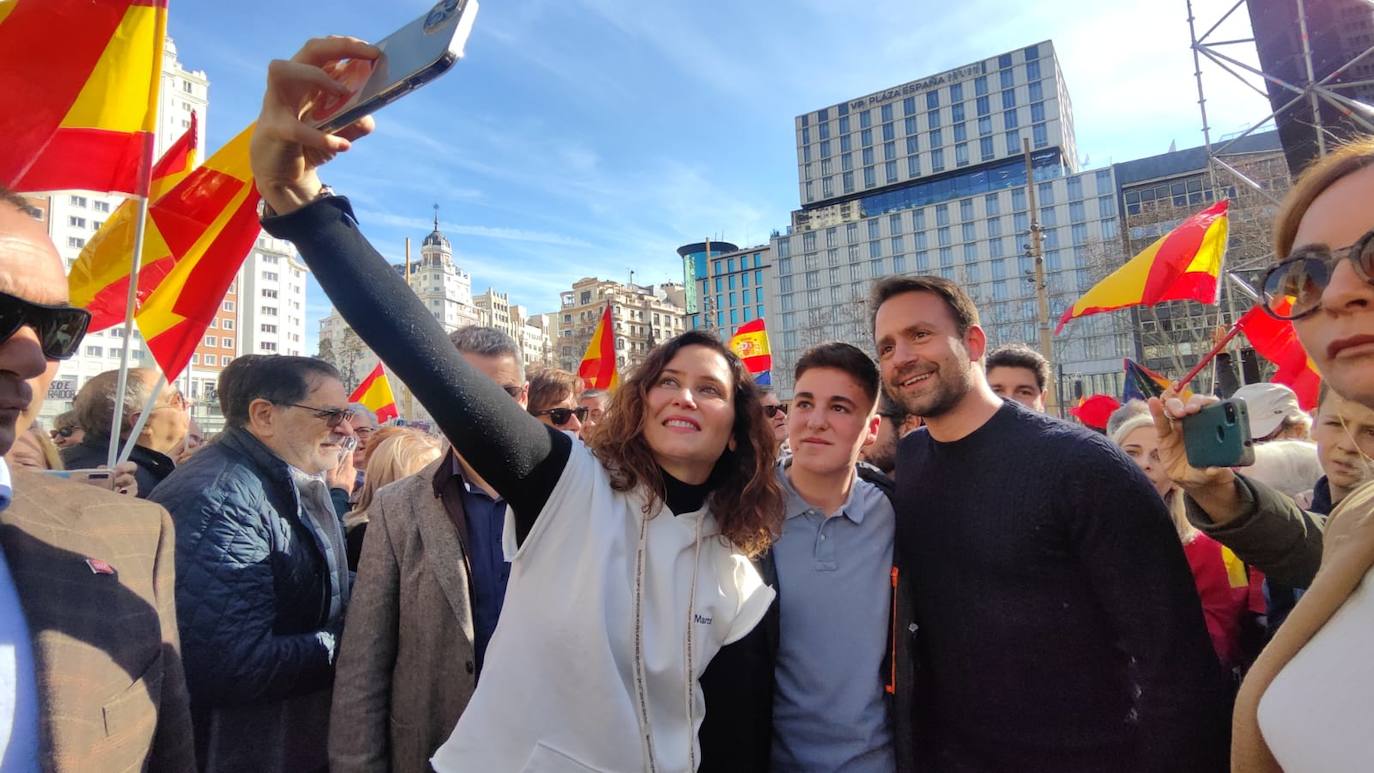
x: 629, y: 556
x: 1305, y: 703
x: 553, y: 399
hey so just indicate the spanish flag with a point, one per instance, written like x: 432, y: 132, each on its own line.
x: 99, y: 279
x: 79, y: 92
x: 1143, y: 383
x: 750, y: 342
x: 205, y: 226
x: 598, y: 369
x: 375, y: 393
x: 1276, y: 340
x: 1182, y: 265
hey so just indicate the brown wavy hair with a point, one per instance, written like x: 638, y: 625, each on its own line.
x: 745, y: 496
x: 1345, y: 160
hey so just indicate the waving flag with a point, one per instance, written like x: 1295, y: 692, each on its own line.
x: 750, y: 342
x: 1182, y: 265
x: 375, y: 393
x: 598, y: 369
x: 79, y: 88
x: 99, y: 279
x: 206, y: 226
x: 1143, y: 383
x: 1276, y: 341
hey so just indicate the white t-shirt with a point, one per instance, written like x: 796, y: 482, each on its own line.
x: 1315, y: 715
x: 565, y: 686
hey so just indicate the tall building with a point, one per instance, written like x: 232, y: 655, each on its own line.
x: 1338, y: 33
x: 643, y: 316
x: 1157, y: 193
x: 272, y: 299
x: 726, y: 286
x: 75, y: 216
x: 929, y: 177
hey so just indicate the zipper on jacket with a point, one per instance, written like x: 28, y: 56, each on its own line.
x: 891, y: 686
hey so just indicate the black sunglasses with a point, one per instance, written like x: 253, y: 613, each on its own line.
x: 773, y: 410
x: 64, y: 432
x: 560, y: 416
x: 513, y: 391
x: 1293, y: 289
x: 332, y: 416
x: 59, y: 328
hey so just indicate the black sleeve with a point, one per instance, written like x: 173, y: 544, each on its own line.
x: 518, y: 455
x: 1137, y: 569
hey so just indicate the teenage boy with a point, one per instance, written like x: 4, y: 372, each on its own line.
x: 834, y: 576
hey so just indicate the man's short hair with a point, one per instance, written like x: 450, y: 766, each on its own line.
x: 360, y: 410
x: 488, y: 342
x: 94, y: 404
x: 843, y: 357
x: 551, y: 386
x: 960, y: 305
x: 276, y: 378
x: 599, y: 394
x: 1021, y: 356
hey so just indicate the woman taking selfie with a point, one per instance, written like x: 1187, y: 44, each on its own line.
x: 630, y: 566
x: 1304, y: 704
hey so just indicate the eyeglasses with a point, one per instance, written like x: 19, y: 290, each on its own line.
x: 332, y: 416
x: 60, y: 328
x: 513, y: 391
x: 63, y: 433
x: 773, y: 410
x: 1293, y: 289
x: 560, y: 416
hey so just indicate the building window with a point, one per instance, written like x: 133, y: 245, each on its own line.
x: 227, y: 306
x: 269, y: 311
x: 211, y: 341
x: 78, y: 201
x: 224, y: 359
x: 76, y: 222
x: 1040, y: 136
x: 227, y: 324
x: 95, y: 351
x: 102, y: 206
x: 214, y: 323
x: 195, y: 359
x: 1013, y: 141
x: 268, y: 346
x: 76, y: 241
x: 1008, y: 99
x: 932, y: 99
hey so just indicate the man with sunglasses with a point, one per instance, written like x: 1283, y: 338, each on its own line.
x: 776, y: 414
x: 162, y: 432
x: 262, y: 575
x: 91, y: 678
x: 553, y: 399
x: 430, y: 587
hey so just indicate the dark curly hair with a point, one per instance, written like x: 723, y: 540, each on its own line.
x: 745, y: 498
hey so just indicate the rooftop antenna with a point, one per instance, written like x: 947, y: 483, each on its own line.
x: 436, y: 217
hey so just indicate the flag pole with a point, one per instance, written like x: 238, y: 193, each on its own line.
x: 144, y: 186
x: 1207, y: 358
x: 142, y: 420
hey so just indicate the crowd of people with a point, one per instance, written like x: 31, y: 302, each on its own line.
x: 905, y: 566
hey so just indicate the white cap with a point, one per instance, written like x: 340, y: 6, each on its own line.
x: 1268, y: 405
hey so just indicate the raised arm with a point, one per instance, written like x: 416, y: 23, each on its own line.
x: 519, y: 456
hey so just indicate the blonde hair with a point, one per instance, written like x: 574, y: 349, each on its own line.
x: 400, y: 455
x: 1321, y: 174
x: 1173, y: 499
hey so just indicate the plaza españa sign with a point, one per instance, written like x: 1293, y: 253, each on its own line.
x: 917, y: 87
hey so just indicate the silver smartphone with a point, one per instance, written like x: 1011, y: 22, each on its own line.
x: 411, y: 57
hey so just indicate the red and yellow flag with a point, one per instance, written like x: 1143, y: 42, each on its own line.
x: 99, y: 279
x: 598, y: 369
x: 1277, y: 341
x: 79, y: 88
x: 375, y: 393
x: 1182, y: 265
x: 202, y: 228
x: 750, y: 342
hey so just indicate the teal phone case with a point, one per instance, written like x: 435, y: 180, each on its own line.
x: 1219, y: 436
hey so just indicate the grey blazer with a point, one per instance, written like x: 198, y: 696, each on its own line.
x: 406, y: 663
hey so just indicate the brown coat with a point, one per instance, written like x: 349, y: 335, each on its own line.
x: 112, y: 694
x: 406, y: 662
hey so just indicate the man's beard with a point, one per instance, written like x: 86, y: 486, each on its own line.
x: 949, y: 388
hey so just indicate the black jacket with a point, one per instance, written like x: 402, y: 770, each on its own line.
x: 737, y: 733
x: 93, y: 451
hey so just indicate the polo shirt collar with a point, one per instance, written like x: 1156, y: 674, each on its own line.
x: 796, y: 505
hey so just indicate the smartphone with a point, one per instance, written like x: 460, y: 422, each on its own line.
x: 87, y: 475
x: 411, y: 57
x: 1219, y: 436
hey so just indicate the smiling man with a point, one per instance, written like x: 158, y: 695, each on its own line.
x: 262, y: 579
x: 1059, y: 625
x: 833, y: 567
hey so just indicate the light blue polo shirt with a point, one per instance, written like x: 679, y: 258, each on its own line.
x: 835, y: 595
x: 18, y: 678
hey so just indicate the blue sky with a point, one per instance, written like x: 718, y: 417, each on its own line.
x: 592, y: 137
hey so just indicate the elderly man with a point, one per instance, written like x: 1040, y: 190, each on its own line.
x: 262, y: 579
x: 161, y: 435
x: 91, y: 678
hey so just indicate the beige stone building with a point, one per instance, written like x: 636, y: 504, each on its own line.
x: 644, y: 316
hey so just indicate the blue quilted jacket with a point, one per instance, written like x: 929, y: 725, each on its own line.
x: 252, y: 592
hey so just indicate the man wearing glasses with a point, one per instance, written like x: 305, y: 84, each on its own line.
x: 262, y: 577
x: 90, y: 677
x: 776, y: 413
